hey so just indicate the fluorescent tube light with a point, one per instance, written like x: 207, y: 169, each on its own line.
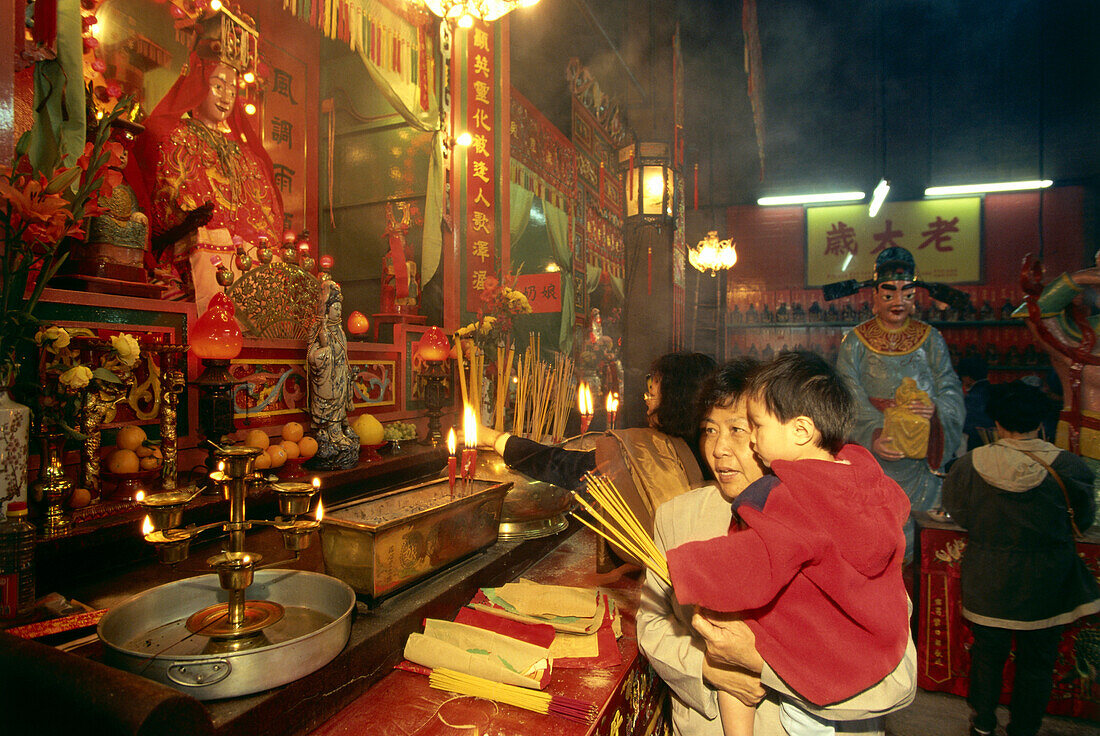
x: 811, y: 198
x: 878, y: 197
x: 1004, y: 186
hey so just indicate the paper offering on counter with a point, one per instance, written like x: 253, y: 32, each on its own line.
x: 534, y: 599
x: 569, y: 646
x: 475, y: 651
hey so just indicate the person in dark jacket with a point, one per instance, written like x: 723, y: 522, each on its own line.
x: 1022, y: 579
x: 671, y: 386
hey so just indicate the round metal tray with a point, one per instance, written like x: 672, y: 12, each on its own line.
x: 147, y: 634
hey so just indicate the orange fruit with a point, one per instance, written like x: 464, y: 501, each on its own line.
x: 293, y: 431
x: 257, y: 438
x: 149, y: 463
x: 81, y: 497
x: 130, y: 437
x: 277, y: 455
x: 307, y: 447
x: 291, y: 449
x: 123, y: 461
x: 143, y: 451
x: 262, y: 462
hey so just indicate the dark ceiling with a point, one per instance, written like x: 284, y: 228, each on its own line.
x: 923, y: 92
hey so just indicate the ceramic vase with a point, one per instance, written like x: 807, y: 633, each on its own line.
x: 15, y: 422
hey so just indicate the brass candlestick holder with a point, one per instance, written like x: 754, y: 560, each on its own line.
x: 433, y: 387
x: 239, y: 622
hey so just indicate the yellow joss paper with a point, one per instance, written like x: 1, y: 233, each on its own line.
x: 908, y: 431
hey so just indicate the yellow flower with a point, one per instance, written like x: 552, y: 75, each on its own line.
x: 76, y: 377
x: 58, y: 337
x: 127, y: 349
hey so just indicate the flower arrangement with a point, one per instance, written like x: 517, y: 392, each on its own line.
x: 43, y: 206
x: 71, y: 360
x: 500, y: 305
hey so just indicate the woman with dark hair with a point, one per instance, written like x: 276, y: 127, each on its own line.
x: 1022, y: 579
x: 673, y: 381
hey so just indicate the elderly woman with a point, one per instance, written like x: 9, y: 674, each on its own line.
x: 698, y: 656
x: 1022, y: 579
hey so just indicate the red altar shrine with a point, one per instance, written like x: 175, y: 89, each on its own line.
x: 944, y: 638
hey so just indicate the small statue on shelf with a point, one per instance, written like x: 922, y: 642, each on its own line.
x: 331, y: 388
x: 400, y: 274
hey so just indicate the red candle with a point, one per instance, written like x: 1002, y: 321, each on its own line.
x: 469, y: 454
x: 452, y: 461
x: 584, y: 405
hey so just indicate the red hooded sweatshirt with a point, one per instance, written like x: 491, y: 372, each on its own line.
x: 816, y: 575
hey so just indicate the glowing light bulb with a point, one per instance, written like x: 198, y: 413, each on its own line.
x: 250, y: 109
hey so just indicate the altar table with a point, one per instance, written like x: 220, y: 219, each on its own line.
x: 944, y: 638
x: 629, y: 696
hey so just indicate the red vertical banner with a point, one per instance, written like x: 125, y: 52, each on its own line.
x: 284, y: 123
x: 481, y: 178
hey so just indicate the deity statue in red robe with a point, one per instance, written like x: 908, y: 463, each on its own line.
x: 202, y: 176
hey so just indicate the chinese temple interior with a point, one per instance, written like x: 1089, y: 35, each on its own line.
x: 342, y: 342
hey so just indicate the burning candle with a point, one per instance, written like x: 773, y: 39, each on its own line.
x: 452, y: 461
x: 584, y: 404
x: 612, y: 406
x: 469, y: 454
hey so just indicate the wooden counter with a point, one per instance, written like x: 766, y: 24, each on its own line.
x: 628, y: 695
x: 377, y: 638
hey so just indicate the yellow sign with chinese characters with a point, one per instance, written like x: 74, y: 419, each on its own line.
x: 944, y: 236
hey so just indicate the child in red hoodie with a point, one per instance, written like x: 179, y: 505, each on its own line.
x: 813, y: 561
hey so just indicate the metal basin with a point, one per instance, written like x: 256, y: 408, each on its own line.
x: 147, y: 634
x: 532, y: 508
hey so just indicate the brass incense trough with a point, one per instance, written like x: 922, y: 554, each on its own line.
x: 385, y: 543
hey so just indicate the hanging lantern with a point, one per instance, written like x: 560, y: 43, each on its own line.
x: 651, y: 191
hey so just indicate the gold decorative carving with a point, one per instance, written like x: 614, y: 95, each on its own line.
x: 278, y: 300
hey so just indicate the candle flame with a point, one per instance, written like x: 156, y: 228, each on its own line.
x: 147, y: 526
x: 612, y: 405
x: 139, y: 496
x: 584, y: 399
x: 316, y: 482
x: 221, y: 466
x: 246, y: 560
x: 469, y: 428
x: 320, y: 511
x: 451, y: 441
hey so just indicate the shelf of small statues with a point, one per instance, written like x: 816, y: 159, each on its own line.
x: 935, y: 323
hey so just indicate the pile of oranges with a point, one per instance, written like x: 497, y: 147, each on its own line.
x: 132, y: 453
x: 292, y: 444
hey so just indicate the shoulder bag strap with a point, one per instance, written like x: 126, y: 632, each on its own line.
x: 1062, y: 485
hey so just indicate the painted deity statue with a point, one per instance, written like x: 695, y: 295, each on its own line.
x: 400, y: 275
x: 876, y: 357
x: 121, y: 233
x: 202, y: 176
x: 1061, y: 336
x: 330, y: 386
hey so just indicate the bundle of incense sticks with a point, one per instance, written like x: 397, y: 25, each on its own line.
x: 544, y: 394
x: 521, y: 697
x: 616, y: 523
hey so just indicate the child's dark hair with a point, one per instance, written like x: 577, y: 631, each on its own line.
x: 1017, y: 406
x: 729, y: 383
x: 803, y: 384
x: 680, y: 375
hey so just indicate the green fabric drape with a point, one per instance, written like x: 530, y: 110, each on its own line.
x: 428, y: 120
x: 59, y: 132
x: 520, y: 211
x: 557, y: 225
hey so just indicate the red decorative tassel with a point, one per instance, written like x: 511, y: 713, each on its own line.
x: 696, y: 187
x: 601, y: 184
x: 630, y: 173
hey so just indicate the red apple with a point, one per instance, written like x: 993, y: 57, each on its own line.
x: 357, y: 323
